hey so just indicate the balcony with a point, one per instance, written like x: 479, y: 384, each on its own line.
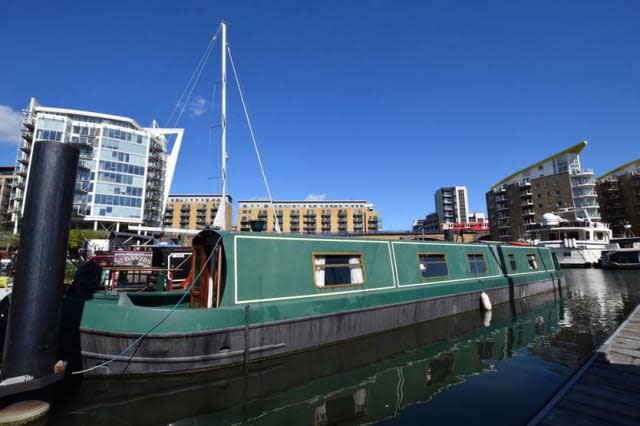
x: 82, y: 142
x: 84, y: 165
x: 29, y: 123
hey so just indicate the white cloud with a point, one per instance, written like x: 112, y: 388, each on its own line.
x: 316, y: 197
x: 198, y: 106
x: 10, y: 123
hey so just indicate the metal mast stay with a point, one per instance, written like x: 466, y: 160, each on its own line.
x: 220, y: 221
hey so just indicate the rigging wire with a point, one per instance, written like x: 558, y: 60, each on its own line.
x: 253, y: 139
x: 183, y: 100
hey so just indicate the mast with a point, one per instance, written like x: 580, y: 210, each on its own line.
x: 220, y: 221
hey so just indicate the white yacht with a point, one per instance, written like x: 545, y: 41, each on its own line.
x: 577, y: 243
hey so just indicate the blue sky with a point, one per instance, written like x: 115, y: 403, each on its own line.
x: 378, y: 100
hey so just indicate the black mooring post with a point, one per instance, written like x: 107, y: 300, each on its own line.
x: 31, y: 342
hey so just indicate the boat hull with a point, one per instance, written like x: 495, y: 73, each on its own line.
x: 189, y: 352
x: 578, y: 257
x: 621, y: 259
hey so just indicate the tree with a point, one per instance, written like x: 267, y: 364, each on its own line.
x: 77, y: 237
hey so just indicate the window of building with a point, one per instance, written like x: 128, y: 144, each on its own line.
x: 338, y: 269
x: 433, y: 265
x: 477, y: 263
x: 512, y: 262
x: 531, y: 260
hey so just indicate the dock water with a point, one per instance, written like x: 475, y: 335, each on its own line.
x: 606, y: 390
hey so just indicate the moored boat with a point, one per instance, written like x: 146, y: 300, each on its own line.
x: 622, y: 253
x: 257, y: 296
x: 577, y: 243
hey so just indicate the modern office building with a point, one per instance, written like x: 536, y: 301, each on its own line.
x: 7, y: 177
x: 516, y: 203
x: 310, y: 217
x: 619, y: 197
x: 124, y: 171
x: 452, y: 204
x: 194, y: 211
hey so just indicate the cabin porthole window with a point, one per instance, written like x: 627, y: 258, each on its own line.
x: 531, y: 260
x: 477, y: 263
x: 512, y: 262
x: 337, y: 269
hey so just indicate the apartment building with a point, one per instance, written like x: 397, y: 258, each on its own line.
x: 452, y: 212
x: 310, y: 217
x: 124, y: 171
x: 194, y: 211
x: 619, y: 197
x: 516, y: 203
x: 452, y: 204
x: 7, y: 178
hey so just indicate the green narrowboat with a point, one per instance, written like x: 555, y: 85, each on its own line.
x: 257, y: 295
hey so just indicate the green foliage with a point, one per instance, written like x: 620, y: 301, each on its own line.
x: 9, y: 239
x: 79, y: 236
x: 70, y: 273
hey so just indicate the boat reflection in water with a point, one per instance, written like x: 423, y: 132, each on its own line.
x: 367, y: 380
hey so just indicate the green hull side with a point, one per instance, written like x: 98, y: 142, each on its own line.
x: 270, y: 278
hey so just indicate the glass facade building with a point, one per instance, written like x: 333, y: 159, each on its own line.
x: 124, y: 170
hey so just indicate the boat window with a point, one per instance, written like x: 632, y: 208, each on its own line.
x: 433, y: 265
x: 533, y: 263
x: 512, y: 262
x: 477, y: 264
x: 338, y: 269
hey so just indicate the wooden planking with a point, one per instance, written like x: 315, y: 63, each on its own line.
x: 606, y: 390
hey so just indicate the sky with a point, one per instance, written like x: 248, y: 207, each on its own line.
x: 383, y: 100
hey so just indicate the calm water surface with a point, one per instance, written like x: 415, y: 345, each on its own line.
x: 467, y: 369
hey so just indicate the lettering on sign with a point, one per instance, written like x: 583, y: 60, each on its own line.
x: 132, y: 258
